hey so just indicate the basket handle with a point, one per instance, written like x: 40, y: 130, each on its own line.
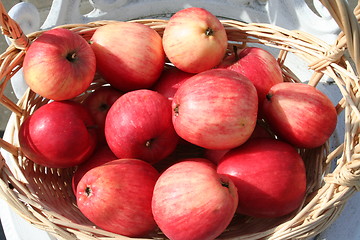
x: 11, y: 29
x: 348, y: 22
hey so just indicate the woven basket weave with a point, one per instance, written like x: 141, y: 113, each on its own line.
x: 43, y: 196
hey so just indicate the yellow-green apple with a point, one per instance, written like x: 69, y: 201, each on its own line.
x: 129, y: 55
x: 257, y: 64
x: 102, y: 154
x: 59, y: 134
x: 194, y: 40
x: 138, y: 125
x: 59, y: 64
x: 300, y: 114
x: 192, y: 201
x: 98, y: 103
x: 117, y: 195
x: 170, y: 80
x: 269, y: 175
x: 215, y: 109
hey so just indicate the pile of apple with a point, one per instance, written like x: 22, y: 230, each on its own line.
x: 184, y: 134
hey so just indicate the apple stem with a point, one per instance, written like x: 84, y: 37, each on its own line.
x: 71, y: 57
x: 209, y: 32
x: 88, y: 191
x: 148, y: 143
x: 224, y: 183
x: 176, y: 110
x: 269, y: 96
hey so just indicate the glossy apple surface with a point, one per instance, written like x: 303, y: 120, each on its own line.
x: 192, y: 201
x: 194, y: 40
x: 258, y: 65
x: 215, y: 156
x: 129, y: 55
x: 102, y: 154
x: 59, y: 134
x: 98, y: 103
x: 59, y: 64
x: 269, y: 175
x: 215, y: 109
x: 170, y: 81
x: 300, y: 114
x: 117, y: 195
x: 138, y: 125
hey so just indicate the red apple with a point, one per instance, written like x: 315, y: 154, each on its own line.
x: 216, y: 155
x: 269, y: 175
x: 181, y: 152
x: 102, y: 154
x: 261, y: 131
x: 258, y: 65
x: 59, y: 134
x: 194, y: 40
x: 138, y: 125
x: 170, y: 80
x: 98, y: 103
x: 59, y: 64
x: 129, y: 55
x: 300, y: 114
x: 117, y: 195
x: 215, y: 109
x: 192, y: 201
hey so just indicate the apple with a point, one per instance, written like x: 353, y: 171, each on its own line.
x: 257, y: 64
x: 170, y: 80
x: 194, y: 40
x: 117, y: 195
x: 300, y: 114
x: 269, y: 175
x: 215, y: 156
x: 261, y: 131
x: 129, y: 55
x: 183, y: 150
x: 98, y: 103
x: 59, y: 134
x: 53, y: 53
x: 102, y: 154
x: 138, y: 125
x: 192, y: 201
x: 215, y: 109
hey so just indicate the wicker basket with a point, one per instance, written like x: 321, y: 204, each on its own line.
x: 44, y: 197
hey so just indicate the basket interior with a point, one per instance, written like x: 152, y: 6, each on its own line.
x: 47, y: 193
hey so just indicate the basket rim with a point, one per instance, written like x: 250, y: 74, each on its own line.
x: 327, y: 60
